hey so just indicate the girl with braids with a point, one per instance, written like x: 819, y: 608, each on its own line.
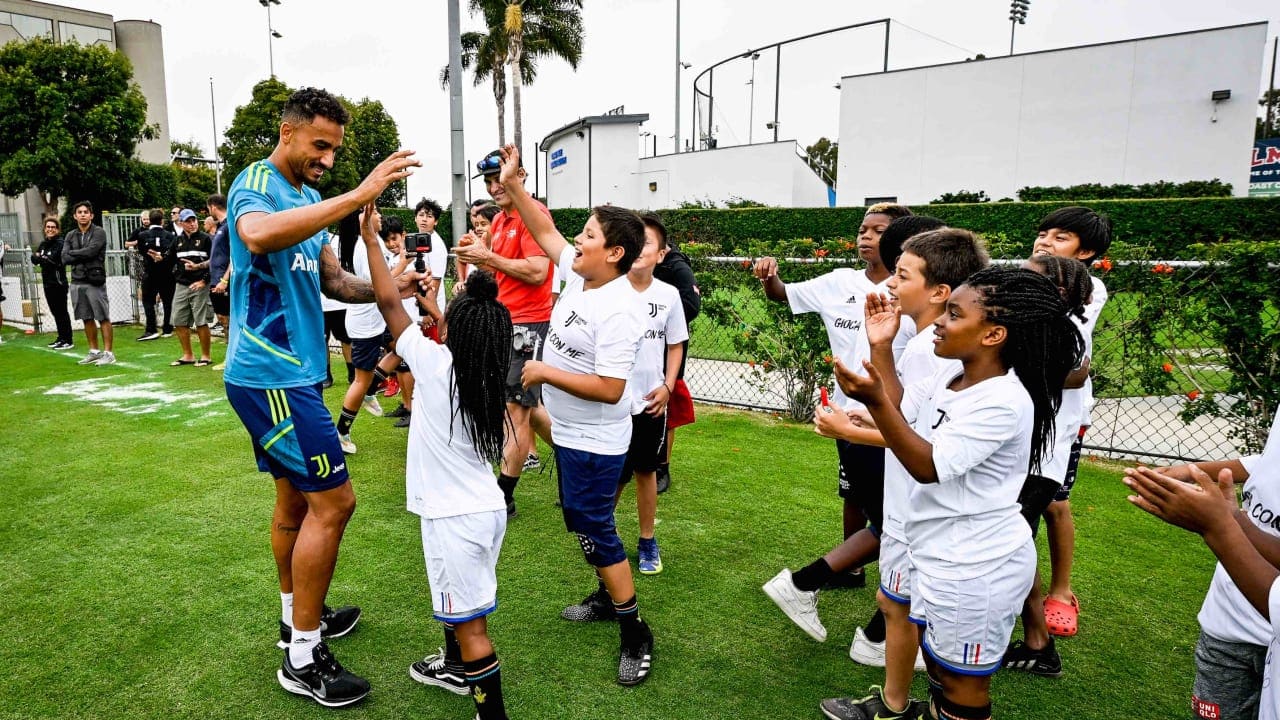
x: 967, y: 438
x: 455, y: 435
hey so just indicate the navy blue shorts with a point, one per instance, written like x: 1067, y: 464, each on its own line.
x: 588, y: 484
x: 366, y: 352
x: 293, y: 435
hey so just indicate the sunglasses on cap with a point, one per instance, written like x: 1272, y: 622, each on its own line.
x: 491, y: 164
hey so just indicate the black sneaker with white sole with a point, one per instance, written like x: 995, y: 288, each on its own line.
x: 333, y: 624
x: 1045, y: 662
x: 596, y: 606
x: 435, y: 669
x: 324, y: 680
x: 636, y: 659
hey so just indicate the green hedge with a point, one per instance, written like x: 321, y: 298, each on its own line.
x: 1168, y: 226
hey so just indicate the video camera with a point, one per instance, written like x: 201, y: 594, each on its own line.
x: 420, y: 245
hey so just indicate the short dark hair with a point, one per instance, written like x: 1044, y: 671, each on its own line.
x: 901, y: 230
x: 82, y: 204
x: 1093, y: 228
x: 305, y: 104
x: 651, y: 220
x: 391, y: 225
x: 430, y: 206
x: 622, y: 228
x: 488, y: 211
x: 893, y: 210
x: 156, y: 217
x: 950, y: 255
x: 217, y: 200
x: 52, y: 219
x: 480, y: 202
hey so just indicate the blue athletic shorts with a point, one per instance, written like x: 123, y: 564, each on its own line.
x: 293, y: 435
x: 588, y: 484
x: 366, y: 352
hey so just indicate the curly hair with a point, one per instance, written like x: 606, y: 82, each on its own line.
x: 1043, y: 345
x: 305, y: 104
x: 430, y: 206
x: 478, y: 334
x: 1072, y: 278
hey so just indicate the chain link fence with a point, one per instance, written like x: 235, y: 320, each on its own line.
x: 1184, y: 359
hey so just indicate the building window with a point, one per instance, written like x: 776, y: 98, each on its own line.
x: 83, y: 34
x: 26, y: 26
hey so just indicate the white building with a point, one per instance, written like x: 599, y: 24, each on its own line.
x: 596, y: 160
x: 1131, y: 112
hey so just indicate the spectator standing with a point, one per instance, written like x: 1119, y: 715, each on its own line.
x: 157, y: 277
x: 53, y: 275
x: 85, y: 250
x: 135, y: 254
x: 191, y: 306
x: 172, y: 223
x: 219, y: 262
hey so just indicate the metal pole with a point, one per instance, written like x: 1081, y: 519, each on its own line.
x: 217, y: 161
x: 1271, y: 89
x: 886, y: 45
x: 271, y: 43
x: 751, y: 111
x: 1013, y: 29
x: 458, y: 162
x: 711, y: 105
x: 777, y: 88
x: 678, y: 69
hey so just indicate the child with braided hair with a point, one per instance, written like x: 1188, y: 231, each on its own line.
x: 455, y: 435
x: 967, y: 438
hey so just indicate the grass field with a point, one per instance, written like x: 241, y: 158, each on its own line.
x: 138, y: 582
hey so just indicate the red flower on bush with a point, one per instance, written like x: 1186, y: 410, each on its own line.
x: 1193, y: 395
x: 828, y: 359
x: 821, y: 252
x: 1167, y: 367
x: 1105, y: 264
x: 1158, y: 268
x: 751, y: 363
x: 849, y: 245
x: 746, y: 264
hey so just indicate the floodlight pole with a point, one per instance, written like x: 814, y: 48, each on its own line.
x: 458, y: 163
x: 213, y: 113
x: 751, y: 112
x: 679, y: 68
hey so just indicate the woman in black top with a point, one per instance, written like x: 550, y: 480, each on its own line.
x: 48, y: 257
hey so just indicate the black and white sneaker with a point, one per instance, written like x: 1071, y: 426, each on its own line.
x: 436, y: 670
x: 153, y: 335
x: 871, y: 707
x: 636, y: 659
x: 324, y: 680
x: 596, y: 606
x: 1045, y: 662
x: 333, y: 624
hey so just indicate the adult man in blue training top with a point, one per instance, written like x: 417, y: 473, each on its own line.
x: 276, y: 359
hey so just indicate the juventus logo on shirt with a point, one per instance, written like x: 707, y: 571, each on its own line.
x: 942, y: 417
x: 653, y: 309
x: 574, y: 319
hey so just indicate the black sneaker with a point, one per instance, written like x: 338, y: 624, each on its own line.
x: 664, y: 480
x: 596, y: 606
x: 399, y: 412
x: 324, y: 680
x: 1045, y: 662
x: 871, y: 707
x: 436, y: 670
x: 333, y: 624
x: 403, y: 422
x: 328, y: 383
x: 149, y: 335
x: 636, y: 659
x: 847, y: 580
x: 511, y: 509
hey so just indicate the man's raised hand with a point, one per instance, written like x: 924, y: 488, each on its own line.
x: 510, y: 172
x: 394, y: 169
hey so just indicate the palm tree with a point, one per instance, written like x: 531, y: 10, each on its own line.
x: 520, y: 32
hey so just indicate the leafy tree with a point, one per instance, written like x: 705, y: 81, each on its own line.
x: 823, y: 156
x: 70, y: 120
x: 963, y: 196
x: 1262, y: 131
x: 370, y: 136
x: 519, y: 34
x: 196, y: 180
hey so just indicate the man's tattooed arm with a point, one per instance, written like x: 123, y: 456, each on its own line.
x: 340, y: 284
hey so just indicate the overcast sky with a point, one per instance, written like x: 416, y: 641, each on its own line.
x: 392, y: 50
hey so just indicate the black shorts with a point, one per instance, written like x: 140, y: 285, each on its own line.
x: 1037, y: 492
x: 529, y: 349
x: 862, y: 479
x: 335, y: 324
x: 366, y: 352
x: 1073, y: 464
x: 221, y: 303
x: 648, y: 436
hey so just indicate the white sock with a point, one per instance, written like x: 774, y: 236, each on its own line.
x: 304, y: 641
x: 286, y: 608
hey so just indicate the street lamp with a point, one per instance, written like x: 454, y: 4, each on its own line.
x: 1017, y: 16
x: 751, y: 112
x: 271, y: 35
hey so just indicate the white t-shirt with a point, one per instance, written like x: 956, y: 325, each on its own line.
x: 1226, y: 614
x: 593, y: 332
x: 1092, y: 312
x: 364, y: 319
x: 839, y: 297
x: 327, y: 303
x: 663, y: 318
x: 918, y: 364
x: 1269, y: 708
x: 443, y: 476
x: 1076, y: 402
x: 981, y: 438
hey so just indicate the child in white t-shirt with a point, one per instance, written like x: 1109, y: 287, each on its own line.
x: 967, y: 439
x: 455, y: 434
x: 589, y: 353
x: 650, y: 387
x: 1244, y: 599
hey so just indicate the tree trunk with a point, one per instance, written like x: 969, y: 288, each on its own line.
x: 500, y: 97
x: 516, y: 52
x: 50, y: 204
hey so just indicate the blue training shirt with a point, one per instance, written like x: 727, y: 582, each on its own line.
x: 277, y: 335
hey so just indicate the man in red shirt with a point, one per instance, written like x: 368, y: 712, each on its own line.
x: 524, y: 277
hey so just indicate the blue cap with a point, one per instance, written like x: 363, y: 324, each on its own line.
x: 186, y: 215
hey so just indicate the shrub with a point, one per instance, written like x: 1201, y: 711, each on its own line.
x: 1147, y: 191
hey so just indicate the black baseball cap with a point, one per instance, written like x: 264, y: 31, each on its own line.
x: 491, y: 164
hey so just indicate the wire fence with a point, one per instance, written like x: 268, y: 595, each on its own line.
x: 1184, y: 358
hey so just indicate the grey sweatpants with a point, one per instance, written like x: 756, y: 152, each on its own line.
x: 1228, y: 679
